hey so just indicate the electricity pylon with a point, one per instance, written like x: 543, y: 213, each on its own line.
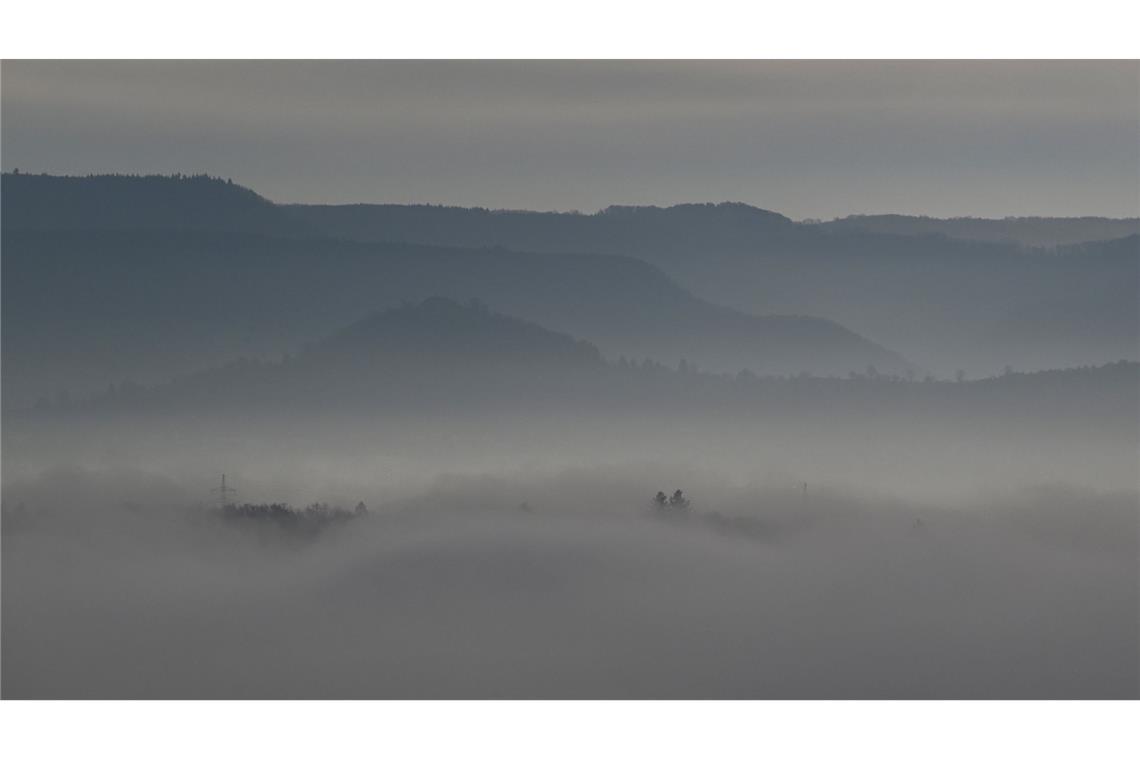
x: 221, y: 491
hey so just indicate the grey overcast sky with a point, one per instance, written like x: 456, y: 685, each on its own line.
x: 809, y: 139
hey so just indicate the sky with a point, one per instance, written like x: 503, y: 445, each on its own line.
x: 810, y: 139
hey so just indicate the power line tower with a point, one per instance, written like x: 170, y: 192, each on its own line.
x: 221, y: 491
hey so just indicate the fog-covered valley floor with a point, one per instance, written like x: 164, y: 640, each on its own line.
x: 571, y: 583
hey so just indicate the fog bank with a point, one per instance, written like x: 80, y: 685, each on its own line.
x: 570, y: 586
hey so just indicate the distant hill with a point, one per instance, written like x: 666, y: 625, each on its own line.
x: 441, y: 331
x: 1029, y: 231
x: 442, y: 360
x: 85, y: 308
x: 946, y: 303
x: 718, y: 277
x: 648, y: 232
x: 131, y: 202
x: 436, y: 353
x: 463, y: 384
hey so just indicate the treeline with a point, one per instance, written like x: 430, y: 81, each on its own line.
x: 310, y: 519
x: 125, y: 175
x: 124, y: 201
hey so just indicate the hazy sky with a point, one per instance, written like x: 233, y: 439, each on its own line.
x: 809, y: 139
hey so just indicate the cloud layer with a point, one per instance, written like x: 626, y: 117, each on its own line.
x: 810, y: 139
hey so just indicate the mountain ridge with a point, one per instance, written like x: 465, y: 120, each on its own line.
x: 1023, y: 308
x: 438, y: 355
x: 169, y: 303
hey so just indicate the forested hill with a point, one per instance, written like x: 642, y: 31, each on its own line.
x: 647, y: 231
x: 148, y: 304
x: 438, y: 358
x: 133, y: 202
x: 942, y: 301
x: 711, y: 284
x: 436, y: 352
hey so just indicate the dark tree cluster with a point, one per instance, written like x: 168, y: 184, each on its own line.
x: 677, y: 503
x: 312, y: 518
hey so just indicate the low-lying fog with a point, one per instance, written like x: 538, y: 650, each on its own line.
x: 566, y: 582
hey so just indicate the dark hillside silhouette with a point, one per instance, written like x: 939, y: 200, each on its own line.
x: 439, y: 357
x: 149, y: 304
x: 908, y: 291
x: 186, y: 272
x: 645, y: 231
x: 447, y: 331
x: 431, y: 355
x: 122, y: 202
